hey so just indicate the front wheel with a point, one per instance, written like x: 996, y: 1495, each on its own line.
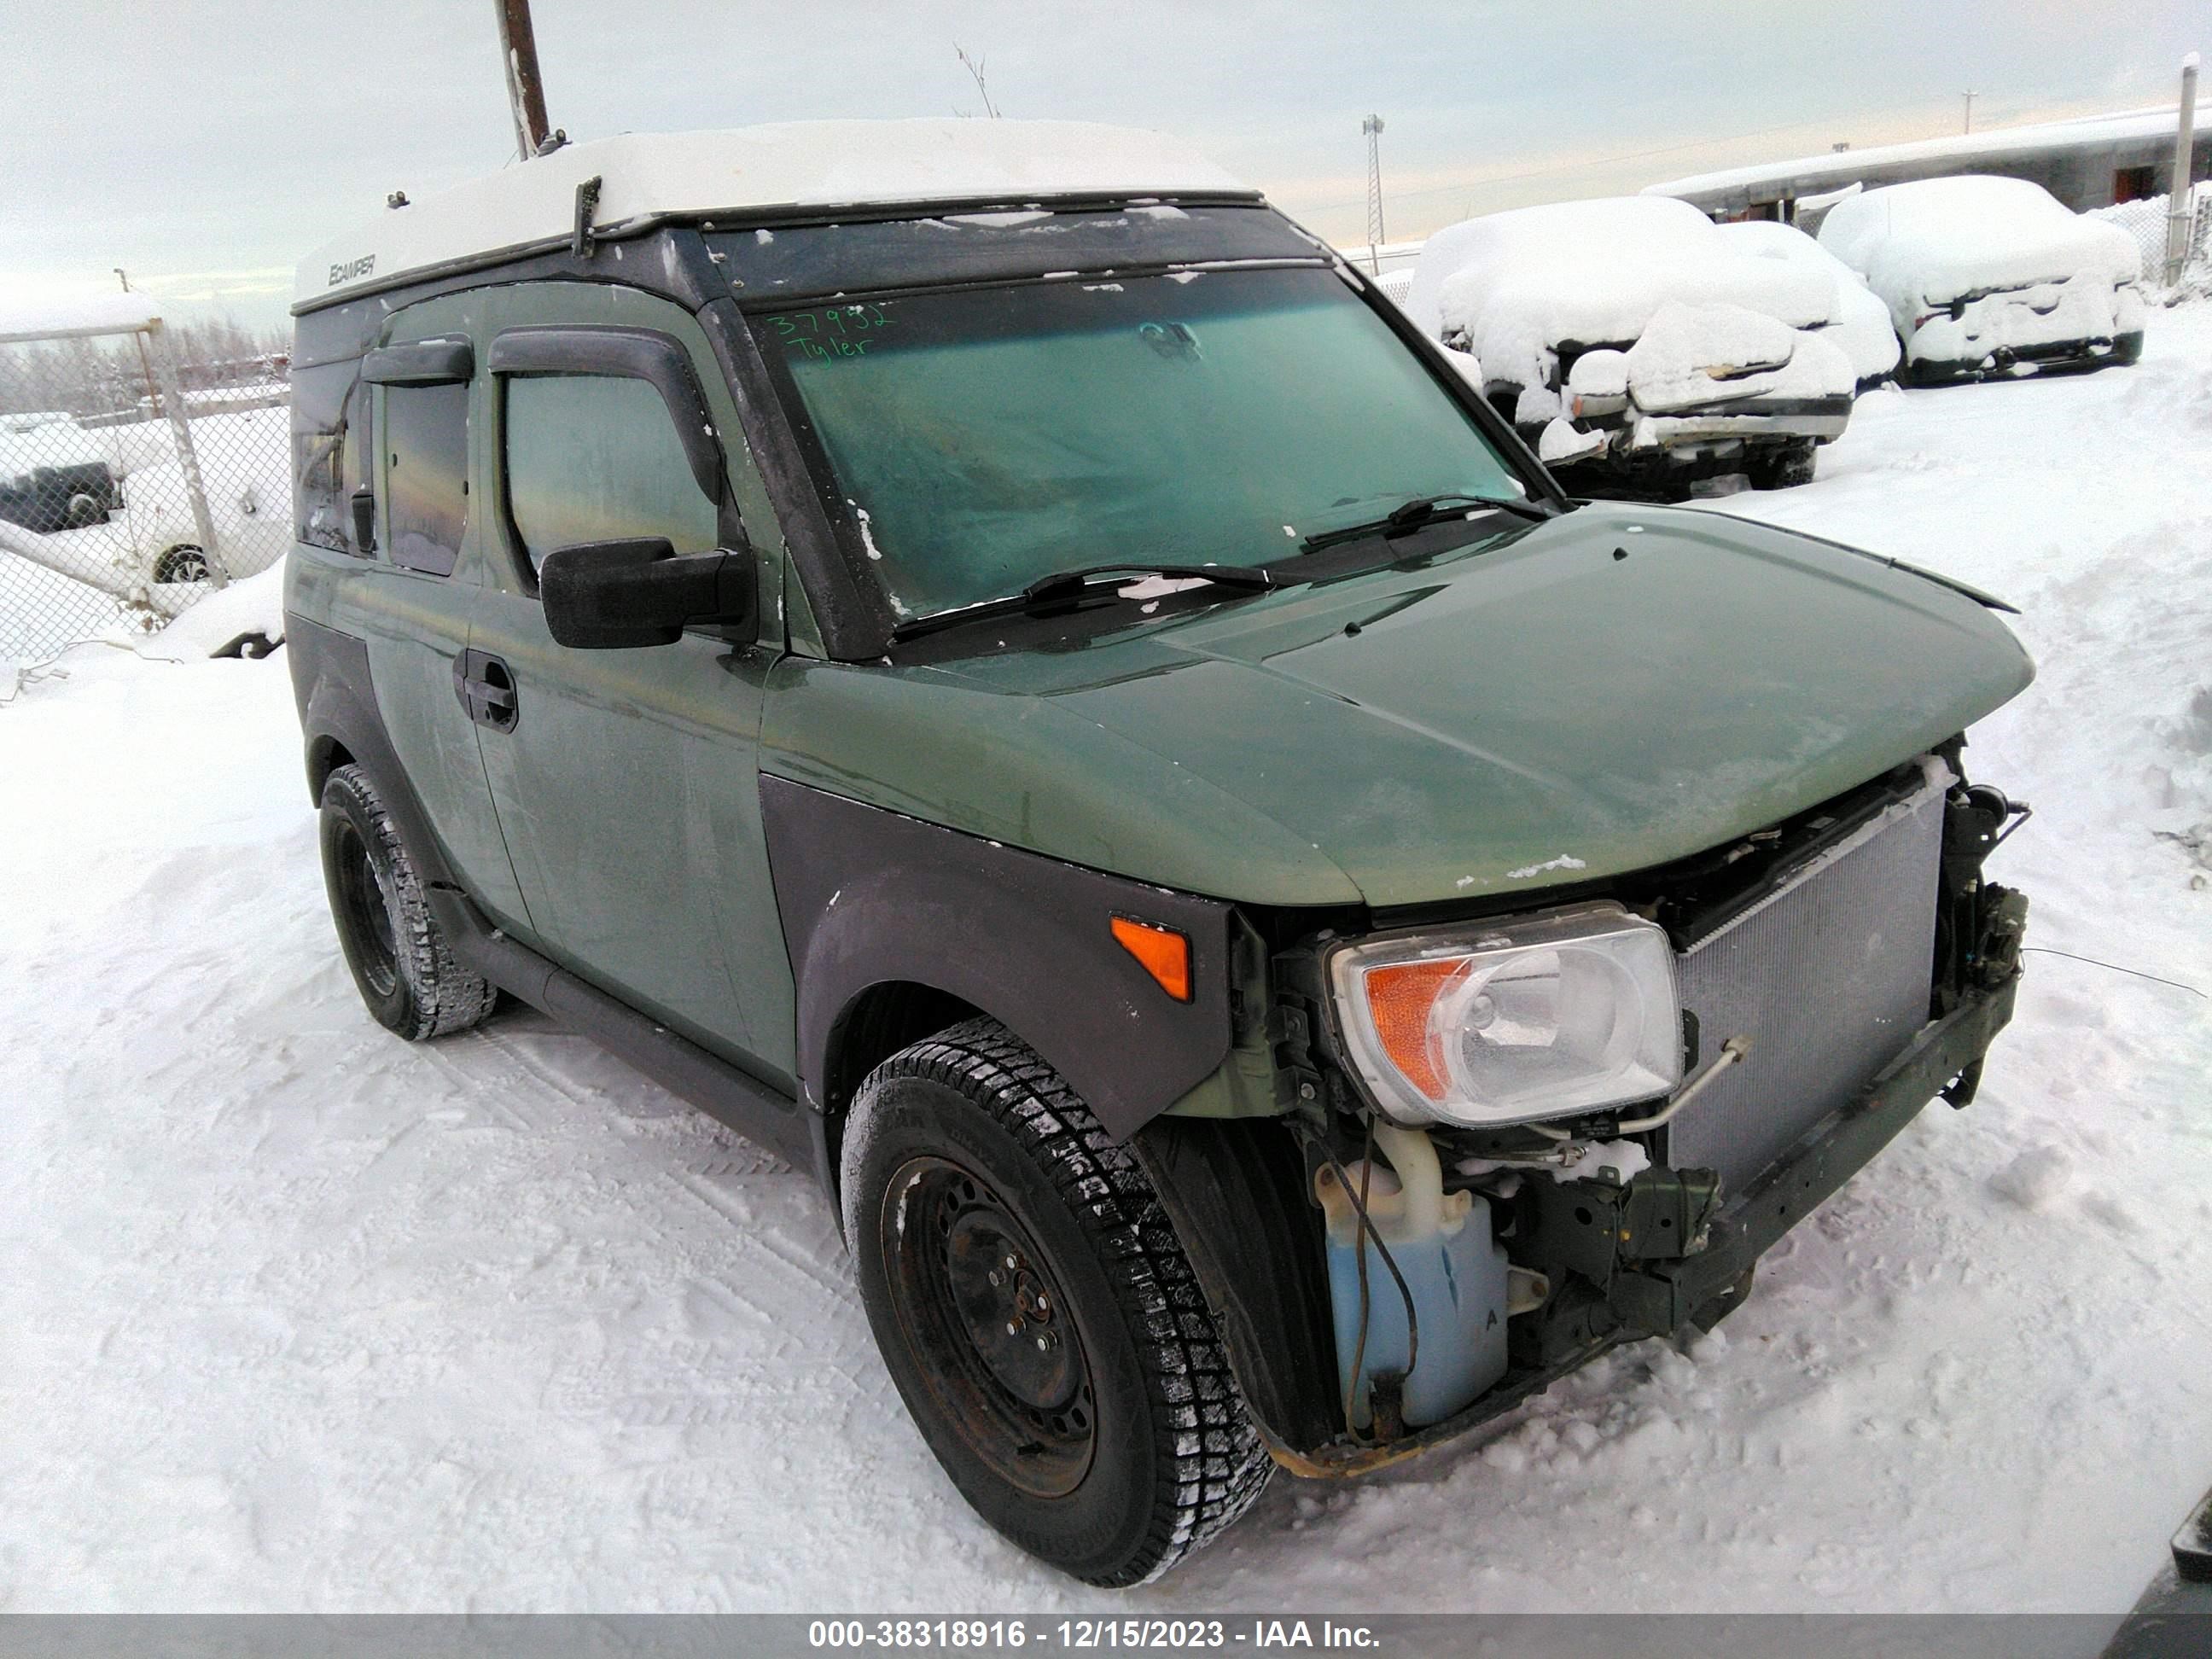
x: 1038, y: 1313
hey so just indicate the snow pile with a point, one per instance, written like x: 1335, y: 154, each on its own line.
x: 28, y: 443
x: 247, y: 615
x: 297, y: 1317
x: 1920, y: 246
x: 1863, y: 326
x: 1562, y: 440
x: 1518, y: 285
x: 1598, y: 374
x: 1690, y: 357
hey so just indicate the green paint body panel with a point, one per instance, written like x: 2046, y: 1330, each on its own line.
x: 628, y: 790
x: 1609, y: 691
x: 1552, y: 704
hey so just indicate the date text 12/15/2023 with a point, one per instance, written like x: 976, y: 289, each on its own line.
x: 1126, y: 1635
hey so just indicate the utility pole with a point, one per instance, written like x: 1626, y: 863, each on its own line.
x: 525, y: 90
x: 1970, y: 97
x: 1372, y: 128
x: 2180, y: 203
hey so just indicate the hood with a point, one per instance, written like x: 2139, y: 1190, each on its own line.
x: 1609, y: 691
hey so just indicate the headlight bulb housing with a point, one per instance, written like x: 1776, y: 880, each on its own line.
x: 1515, y: 1021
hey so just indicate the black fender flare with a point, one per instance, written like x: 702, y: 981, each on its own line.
x: 336, y: 702
x: 870, y: 897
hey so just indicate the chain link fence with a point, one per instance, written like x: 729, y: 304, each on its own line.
x: 135, y: 478
x: 2146, y: 221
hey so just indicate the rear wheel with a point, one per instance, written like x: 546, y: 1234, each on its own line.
x: 1036, y: 1310
x: 181, y: 564
x: 399, y: 958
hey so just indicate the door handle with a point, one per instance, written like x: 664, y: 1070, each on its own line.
x: 486, y: 687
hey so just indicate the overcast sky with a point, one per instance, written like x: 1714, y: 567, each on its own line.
x: 205, y: 144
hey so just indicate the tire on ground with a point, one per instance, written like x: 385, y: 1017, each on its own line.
x: 1785, y: 465
x: 400, y: 960
x: 975, y: 1115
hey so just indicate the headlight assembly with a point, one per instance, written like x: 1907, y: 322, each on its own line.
x: 1514, y: 1021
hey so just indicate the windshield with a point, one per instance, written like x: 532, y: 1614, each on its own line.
x: 985, y: 438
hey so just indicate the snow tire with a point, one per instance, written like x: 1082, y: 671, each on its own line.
x: 400, y: 960
x: 1175, y: 1457
x: 1784, y: 466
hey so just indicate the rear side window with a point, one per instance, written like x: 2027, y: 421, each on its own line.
x: 426, y: 476
x: 595, y: 458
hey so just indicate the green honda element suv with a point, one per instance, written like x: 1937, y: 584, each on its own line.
x: 993, y: 663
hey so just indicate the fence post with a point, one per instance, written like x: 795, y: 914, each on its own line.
x: 2181, y: 199
x: 188, y: 460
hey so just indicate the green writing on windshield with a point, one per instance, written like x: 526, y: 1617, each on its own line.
x: 832, y: 331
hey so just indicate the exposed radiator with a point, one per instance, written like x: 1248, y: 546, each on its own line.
x: 1829, y: 976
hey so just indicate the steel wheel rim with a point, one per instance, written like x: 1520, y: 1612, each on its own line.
x: 367, y: 912
x: 997, y: 1350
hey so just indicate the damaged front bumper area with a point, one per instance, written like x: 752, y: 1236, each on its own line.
x: 1659, y: 1295
x: 2010, y: 361
x: 2057, y: 327
x: 1795, y: 963
x: 1680, y: 446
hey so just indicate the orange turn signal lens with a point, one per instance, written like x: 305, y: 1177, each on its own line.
x: 1163, y: 953
x: 1401, y: 998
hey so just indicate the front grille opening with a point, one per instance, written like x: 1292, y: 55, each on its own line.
x: 1696, y: 897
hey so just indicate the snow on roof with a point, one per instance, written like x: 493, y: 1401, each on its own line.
x: 798, y: 164
x: 1520, y: 282
x: 1840, y: 166
x: 50, y: 317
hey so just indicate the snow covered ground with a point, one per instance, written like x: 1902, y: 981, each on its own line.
x: 292, y: 1316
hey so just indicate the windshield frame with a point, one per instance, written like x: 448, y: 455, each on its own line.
x: 847, y: 533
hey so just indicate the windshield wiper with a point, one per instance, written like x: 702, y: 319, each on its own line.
x: 1425, y: 510
x: 1064, y: 590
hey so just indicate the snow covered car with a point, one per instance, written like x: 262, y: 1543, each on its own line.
x: 1637, y: 349
x: 995, y: 664
x: 147, y: 531
x: 53, y: 474
x: 1992, y: 277
x: 1862, y: 327
x: 247, y: 511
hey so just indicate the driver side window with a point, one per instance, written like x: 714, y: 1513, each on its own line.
x: 596, y: 458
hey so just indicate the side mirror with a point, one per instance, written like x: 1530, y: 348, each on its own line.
x: 602, y: 596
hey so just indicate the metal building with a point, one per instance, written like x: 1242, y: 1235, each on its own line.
x: 2089, y: 163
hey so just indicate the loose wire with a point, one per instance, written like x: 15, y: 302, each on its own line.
x: 1366, y: 1230
x: 2044, y: 949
